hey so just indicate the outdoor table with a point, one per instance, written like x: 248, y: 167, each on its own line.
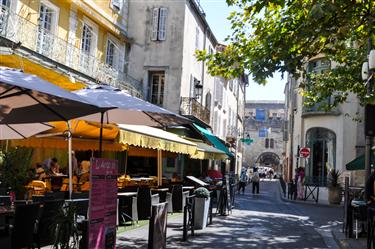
x: 162, y: 193
x: 188, y: 188
x: 126, y: 194
x: 359, y: 213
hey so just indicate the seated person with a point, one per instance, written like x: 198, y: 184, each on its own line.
x: 85, y: 176
x: 55, y: 167
x: 40, y: 174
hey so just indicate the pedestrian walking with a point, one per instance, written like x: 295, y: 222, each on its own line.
x: 370, y: 190
x: 300, y: 183
x: 243, y: 181
x: 255, y: 180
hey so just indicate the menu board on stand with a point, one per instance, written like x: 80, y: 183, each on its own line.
x: 103, y: 203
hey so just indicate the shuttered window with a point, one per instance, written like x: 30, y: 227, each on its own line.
x: 159, y: 24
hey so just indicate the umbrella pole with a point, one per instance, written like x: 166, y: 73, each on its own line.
x: 101, y: 134
x: 159, y: 165
x: 70, y: 160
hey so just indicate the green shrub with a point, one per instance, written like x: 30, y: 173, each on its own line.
x: 202, y: 192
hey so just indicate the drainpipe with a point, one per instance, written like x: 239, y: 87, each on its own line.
x: 236, y: 152
x: 202, y: 74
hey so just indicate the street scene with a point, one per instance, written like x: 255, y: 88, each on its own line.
x: 187, y: 124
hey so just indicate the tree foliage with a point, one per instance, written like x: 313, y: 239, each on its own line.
x: 282, y: 35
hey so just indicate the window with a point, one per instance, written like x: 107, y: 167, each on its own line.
x: 157, y: 80
x: 88, y: 46
x: 112, y: 54
x: 218, y: 92
x: 267, y: 143
x: 116, y: 5
x: 4, y: 15
x: 47, y: 28
x: 230, y: 85
x: 196, y: 38
x: 159, y: 23
x: 208, y: 101
x: 210, y: 50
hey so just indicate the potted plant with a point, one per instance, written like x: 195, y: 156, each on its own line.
x: 15, y: 170
x: 334, y: 187
x: 202, y: 204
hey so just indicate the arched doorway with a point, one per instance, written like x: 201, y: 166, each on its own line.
x: 322, y: 144
x: 268, y: 159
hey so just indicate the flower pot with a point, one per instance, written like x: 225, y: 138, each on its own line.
x: 201, y: 212
x: 334, y: 195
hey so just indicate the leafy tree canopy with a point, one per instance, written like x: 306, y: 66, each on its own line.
x: 282, y: 35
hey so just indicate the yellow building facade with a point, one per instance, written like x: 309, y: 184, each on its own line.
x: 71, y: 43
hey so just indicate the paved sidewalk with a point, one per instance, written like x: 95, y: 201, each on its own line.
x: 259, y: 221
x: 342, y: 241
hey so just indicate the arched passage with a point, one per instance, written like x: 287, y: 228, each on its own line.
x: 268, y: 159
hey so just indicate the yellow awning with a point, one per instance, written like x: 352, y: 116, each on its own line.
x: 144, y: 152
x: 205, y: 151
x: 85, y: 129
x: 153, y: 138
x: 59, y: 79
x: 61, y: 143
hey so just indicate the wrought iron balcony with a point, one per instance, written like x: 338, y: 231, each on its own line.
x: 32, y: 36
x: 318, y: 110
x: 191, y: 107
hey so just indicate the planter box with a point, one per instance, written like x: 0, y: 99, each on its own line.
x: 201, y: 208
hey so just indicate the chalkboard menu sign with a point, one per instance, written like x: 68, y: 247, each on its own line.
x: 103, y: 204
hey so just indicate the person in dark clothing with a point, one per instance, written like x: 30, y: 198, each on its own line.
x: 243, y: 181
x: 255, y: 180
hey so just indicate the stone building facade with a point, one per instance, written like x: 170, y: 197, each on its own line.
x: 264, y: 121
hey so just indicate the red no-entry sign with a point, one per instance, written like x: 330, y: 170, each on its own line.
x: 304, y: 152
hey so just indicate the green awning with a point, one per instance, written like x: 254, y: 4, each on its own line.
x: 214, y: 140
x: 359, y: 163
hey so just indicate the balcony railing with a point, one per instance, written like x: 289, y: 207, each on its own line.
x: 318, y: 109
x: 232, y: 132
x: 190, y: 106
x: 42, y: 41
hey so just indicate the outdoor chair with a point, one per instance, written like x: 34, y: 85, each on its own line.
x: 44, y: 233
x: 169, y: 200
x: 144, y: 202
x: 178, y: 198
x: 22, y: 232
x: 127, y: 209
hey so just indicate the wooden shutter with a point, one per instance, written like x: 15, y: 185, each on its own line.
x: 162, y: 24
x: 155, y: 23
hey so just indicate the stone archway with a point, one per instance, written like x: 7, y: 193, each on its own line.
x: 268, y: 159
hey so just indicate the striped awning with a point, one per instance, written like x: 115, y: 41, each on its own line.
x: 153, y: 138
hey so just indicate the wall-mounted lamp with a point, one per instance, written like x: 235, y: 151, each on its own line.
x: 198, y: 88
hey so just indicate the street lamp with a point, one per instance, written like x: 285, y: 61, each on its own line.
x: 198, y: 89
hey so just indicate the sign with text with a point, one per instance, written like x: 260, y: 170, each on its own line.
x: 103, y: 203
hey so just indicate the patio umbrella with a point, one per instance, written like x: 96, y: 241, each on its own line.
x: 21, y: 131
x: 26, y: 98
x: 213, y: 173
x: 129, y: 109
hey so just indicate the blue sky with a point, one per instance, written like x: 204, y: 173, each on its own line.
x: 217, y: 12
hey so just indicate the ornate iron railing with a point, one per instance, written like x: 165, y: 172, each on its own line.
x: 42, y: 41
x: 190, y: 106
